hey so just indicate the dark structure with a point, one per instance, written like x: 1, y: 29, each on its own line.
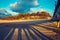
x: 56, y: 15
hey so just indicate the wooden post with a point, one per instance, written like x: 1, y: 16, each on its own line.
x: 58, y: 24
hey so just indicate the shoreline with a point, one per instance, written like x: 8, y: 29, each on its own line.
x: 9, y: 21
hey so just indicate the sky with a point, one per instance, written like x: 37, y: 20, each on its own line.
x: 14, y: 7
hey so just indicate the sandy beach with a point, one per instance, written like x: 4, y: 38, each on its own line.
x: 9, y: 21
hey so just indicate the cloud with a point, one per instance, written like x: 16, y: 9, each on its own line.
x: 4, y: 13
x: 42, y: 9
x: 22, y: 6
x: 12, y: 13
x: 35, y: 2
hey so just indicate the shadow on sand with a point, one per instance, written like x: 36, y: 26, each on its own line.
x: 7, y: 31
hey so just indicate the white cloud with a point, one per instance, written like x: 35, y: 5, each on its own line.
x: 13, y: 5
x: 4, y: 13
x: 36, y: 3
x: 42, y: 10
x: 12, y: 13
x: 23, y: 5
x: 31, y: 9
